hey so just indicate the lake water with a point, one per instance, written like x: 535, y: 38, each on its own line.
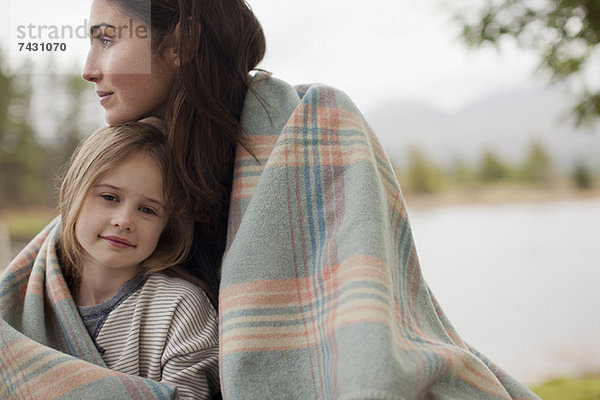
x: 520, y: 282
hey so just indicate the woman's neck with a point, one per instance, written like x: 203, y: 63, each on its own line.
x: 98, y: 285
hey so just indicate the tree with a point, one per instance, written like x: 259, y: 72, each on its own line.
x: 582, y: 177
x: 22, y: 157
x: 422, y: 175
x: 565, y: 33
x: 491, y: 169
x: 69, y: 124
x: 537, y: 167
x: 460, y: 173
x: 42, y: 119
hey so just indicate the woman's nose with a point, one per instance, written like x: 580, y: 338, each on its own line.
x: 91, y: 70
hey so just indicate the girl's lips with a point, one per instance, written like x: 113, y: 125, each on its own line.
x: 118, y: 242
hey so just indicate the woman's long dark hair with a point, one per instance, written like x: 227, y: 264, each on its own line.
x: 218, y: 43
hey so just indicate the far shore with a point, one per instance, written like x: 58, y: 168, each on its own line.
x: 497, y: 194
x: 24, y: 223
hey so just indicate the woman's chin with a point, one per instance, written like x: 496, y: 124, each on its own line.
x: 116, y: 119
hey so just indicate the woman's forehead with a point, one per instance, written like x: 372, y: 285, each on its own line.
x: 112, y: 13
x: 103, y: 11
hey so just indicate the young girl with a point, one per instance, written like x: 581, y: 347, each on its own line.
x: 123, y: 225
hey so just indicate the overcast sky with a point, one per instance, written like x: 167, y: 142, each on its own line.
x: 404, y: 49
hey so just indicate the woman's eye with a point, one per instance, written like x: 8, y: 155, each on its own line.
x: 105, y: 42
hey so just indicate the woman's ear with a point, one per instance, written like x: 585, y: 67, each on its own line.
x: 171, y: 56
x: 172, y: 51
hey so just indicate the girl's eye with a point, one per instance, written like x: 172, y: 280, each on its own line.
x: 109, y: 197
x: 147, y: 210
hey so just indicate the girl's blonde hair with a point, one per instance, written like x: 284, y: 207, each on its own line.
x: 95, y: 156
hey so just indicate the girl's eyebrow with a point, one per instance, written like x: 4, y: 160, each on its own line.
x: 116, y: 188
x: 108, y: 185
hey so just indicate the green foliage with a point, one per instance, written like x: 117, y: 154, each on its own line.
x: 565, y: 34
x: 492, y: 169
x: 566, y: 389
x: 422, y: 175
x: 537, y: 167
x: 22, y: 158
x: 29, y: 164
x: 24, y: 224
x: 69, y: 122
x: 582, y: 177
x: 460, y: 173
x: 425, y: 177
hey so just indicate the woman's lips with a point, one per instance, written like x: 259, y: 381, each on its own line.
x: 104, y: 96
x: 118, y: 242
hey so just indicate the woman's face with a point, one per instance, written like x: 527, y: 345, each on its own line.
x: 132, y: 81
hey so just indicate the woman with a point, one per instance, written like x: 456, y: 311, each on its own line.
x: 321, y: 294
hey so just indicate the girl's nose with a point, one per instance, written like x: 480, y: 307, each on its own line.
x: 123, y: 221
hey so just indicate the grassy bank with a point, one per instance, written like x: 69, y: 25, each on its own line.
x: 585, y: 388
x: 497, y: 194
x: 24, y: 224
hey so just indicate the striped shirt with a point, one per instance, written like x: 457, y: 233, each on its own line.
x: 164, y: 329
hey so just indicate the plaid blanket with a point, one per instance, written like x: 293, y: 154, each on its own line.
x: 322, y: 295
x: 45, y: 349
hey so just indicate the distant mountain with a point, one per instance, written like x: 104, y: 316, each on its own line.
x: 505, y: 123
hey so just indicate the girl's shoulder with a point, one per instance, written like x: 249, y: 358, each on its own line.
x: 161, y: 287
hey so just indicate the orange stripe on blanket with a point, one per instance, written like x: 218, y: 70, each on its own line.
x: 291, y: 154
x: 17, y: 352
x: 287, y: 312
x: 294, y: 330
x: 246, y: 176
x: 20, y: 265
x: 330, y: 118
x: 260, y: 145
x: 283, y: 292
x: 58, y: 288
x: 37, y: 285
x: 27, y: 358
x: 244, y: 187
x: 358, y: 290
x: 473, y: 371
x: 67, y: 377
x: 330, y: 149
x: 304, y: 334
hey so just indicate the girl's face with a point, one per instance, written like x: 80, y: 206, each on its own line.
x: 131, y: 80
x: 122, y: 217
